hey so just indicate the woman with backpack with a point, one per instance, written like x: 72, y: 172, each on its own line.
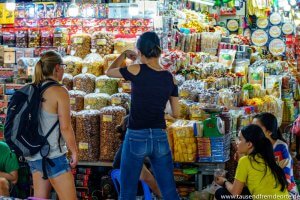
x: 55, y: 108
x: 257, y: 170
x: 152, y: 88
x: 268, y: 123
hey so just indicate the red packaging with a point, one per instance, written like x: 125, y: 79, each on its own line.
x: 125, y: 30
x: 101, y: 22
x: 81, y: 183
x: 55, y: 22
x: 109, y: 22
x: 31, y: 22
x: 86, y: 171
x: 137, y: 22
x: 115, y: 22
x: 44, y: 22
x: 66, y: 22
x: 82, y: 177
x: 20, y: 23
x: 9, y: 37
x: 77, y: 22
x: 89, y: 22
x: 125, y: 23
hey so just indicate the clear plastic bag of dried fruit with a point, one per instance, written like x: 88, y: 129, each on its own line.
x: 96, y: 100
x: 93, y: 64
x: 60, y: 37
x: 74, y: 65
x: 110, y: 117
x: 85, y: 82
x: 121, y: 99
x: 81, y: 44
x: 103, y: 43
x: 67, y: 81
x: 77, y: 100
x: 107, y: 85
x: 88, y: 135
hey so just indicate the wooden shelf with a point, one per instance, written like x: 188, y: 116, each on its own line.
x: 97, y: 164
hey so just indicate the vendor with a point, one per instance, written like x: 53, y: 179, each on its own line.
x: 8, y: 169
x: 257, y: 169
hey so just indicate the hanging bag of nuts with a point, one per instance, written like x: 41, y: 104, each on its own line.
x: 103, y: 43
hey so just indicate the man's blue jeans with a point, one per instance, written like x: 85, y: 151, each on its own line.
x: 152, y: 143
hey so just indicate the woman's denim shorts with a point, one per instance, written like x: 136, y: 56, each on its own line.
x: 61, y: 166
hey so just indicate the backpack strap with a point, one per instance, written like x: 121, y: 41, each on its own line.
x: 45, y: 158
x: 48, y: 83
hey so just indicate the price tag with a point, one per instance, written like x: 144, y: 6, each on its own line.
x: 126, y: 86
x: 101, y: 42
x: 107, y: 118
x: 100, y: 83
x: 116, y: 100
x: 83, y: 146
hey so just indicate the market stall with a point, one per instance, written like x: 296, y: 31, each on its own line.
x: 231, y: 61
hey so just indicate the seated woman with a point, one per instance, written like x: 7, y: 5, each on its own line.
x: 257, y: 169
x: 268, y: 123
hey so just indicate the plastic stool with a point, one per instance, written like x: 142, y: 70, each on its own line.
x: 115, y: 176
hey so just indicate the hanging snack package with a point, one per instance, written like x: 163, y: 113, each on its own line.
x: 21, y: 38
x: 273, y: 85
x: 87, y: 135
x: 103, y: 43
x: 85, y: 82
x: 110, y: 117
x: 77, y: 100
x: 81, y: 44
x: 93, y: 64
x: 60, y: 37
x: 241, y: 69
x: 74, y: 65
x: 34, y: 38
x: 46, y: 38
x: 121, y: 99
x: 96, y: 101
x: 50, y: 10
x: 256, y: 75
x: 9, y: 38
x: 107, y: 85
x: 227, y: 57
x: 67, y: 81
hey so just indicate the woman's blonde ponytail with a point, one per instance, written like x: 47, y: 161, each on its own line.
x: 45, y: 66
x: 38, y: 73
